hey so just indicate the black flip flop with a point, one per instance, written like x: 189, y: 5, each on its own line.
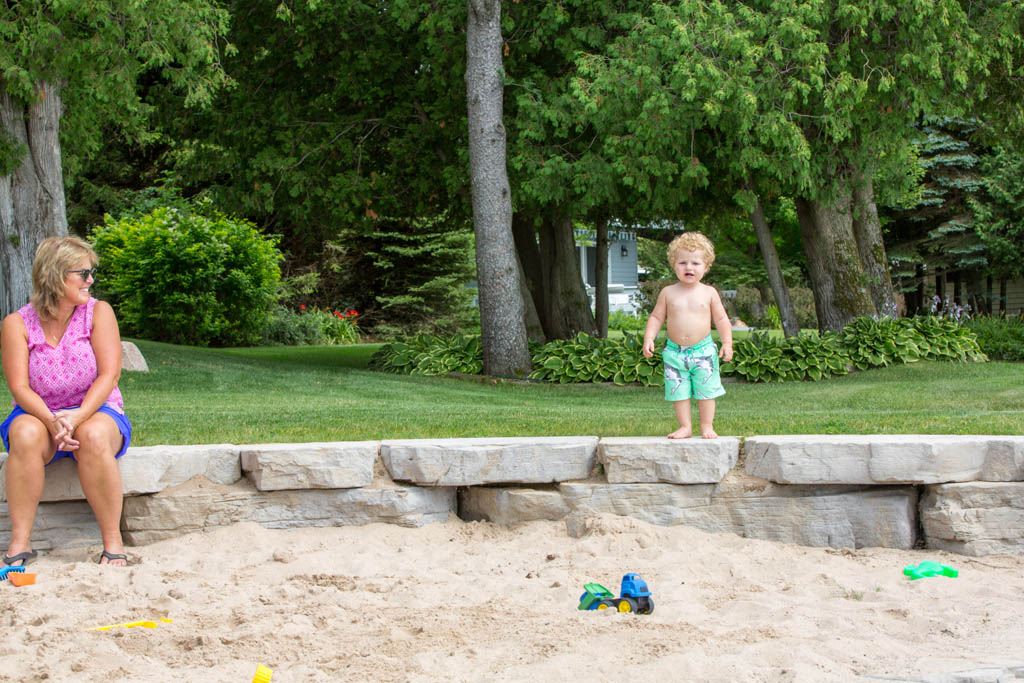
x: 111, y: 557
x: 24, y: 558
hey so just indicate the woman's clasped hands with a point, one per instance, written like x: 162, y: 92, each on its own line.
x: 63, y: 430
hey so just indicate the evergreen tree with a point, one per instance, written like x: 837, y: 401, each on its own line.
x: 935, y: 235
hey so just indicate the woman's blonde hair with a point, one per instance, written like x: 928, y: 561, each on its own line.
x: 691, y: 241
x: 54, y: 257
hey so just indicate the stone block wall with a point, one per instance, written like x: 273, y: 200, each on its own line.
x: 959, y: 493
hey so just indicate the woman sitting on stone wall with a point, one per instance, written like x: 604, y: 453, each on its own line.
x: 62, y: 360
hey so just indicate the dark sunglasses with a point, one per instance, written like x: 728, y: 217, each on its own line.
x: 84, y: 273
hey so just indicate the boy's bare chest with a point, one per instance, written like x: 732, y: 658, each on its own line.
x: 692, y: 304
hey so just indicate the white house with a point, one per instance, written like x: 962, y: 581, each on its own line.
x: 622, y: 266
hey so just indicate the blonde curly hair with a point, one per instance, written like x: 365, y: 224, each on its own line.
x: 54, y: 257
x: 692, y: 241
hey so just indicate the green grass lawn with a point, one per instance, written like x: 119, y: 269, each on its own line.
x: 292, y: 394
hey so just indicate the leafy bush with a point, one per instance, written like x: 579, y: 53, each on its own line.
x: 873, y: 343
x: 591, y: 359
x: 863, y: 344
x: 759, y: 357
x: 339, y: 327
x: 945, y: 339
x: 427, y: 354
x: 188, y: 276
x: 624, y: 322
x: 999, y: 338
x: 580, y: 359
x: 287, y: 327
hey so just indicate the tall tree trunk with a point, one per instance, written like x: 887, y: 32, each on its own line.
x: 503, y: 330
x: 601, y: 277
x: 32, y: 196
x: 837, y: 276
x: 790, y: 326
x: 867, y: 230
x: 534, y: 330
x: 1002, y: 297
x: 566, y: 307
x: 529, y: 256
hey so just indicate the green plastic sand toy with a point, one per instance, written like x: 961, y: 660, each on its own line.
x: 929, y: 569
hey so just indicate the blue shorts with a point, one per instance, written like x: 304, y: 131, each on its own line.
x: 123, y: 425
x: 692, y: 371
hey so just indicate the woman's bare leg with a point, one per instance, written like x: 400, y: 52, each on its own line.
x: 30, y: 449
x: 101, y: 478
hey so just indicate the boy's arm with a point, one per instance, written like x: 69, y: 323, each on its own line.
x: 654, y: 323
x: 721, y: 320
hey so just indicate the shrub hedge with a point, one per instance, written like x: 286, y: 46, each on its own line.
x: 760, y: 357
x: 864, y: 343
x: 999, y: 338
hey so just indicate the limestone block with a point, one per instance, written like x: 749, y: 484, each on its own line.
x: 884, y: 459
x: 200, y: 505
x: 145, y: 470
x: 511, y: 505
x: 131, y: 358
x: 632, y: 460
x: 816, y: 516
x: 1005, y: 461
x: 338, y: 465
x: 68, y: 524
x: 472, y: 462
x: 975, y: 518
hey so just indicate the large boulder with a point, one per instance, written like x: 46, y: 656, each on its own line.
x: 131, y: 358
x: 633, y: 460
x: 884, y: 459
x: 509, y: 506
x: 834, y: 517
x: 976, y: 518
x: 337, y: 465
x: 200, y: 505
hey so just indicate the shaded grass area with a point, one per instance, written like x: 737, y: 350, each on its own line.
x: 300, y: 394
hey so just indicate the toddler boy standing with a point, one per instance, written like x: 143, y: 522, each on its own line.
x: 691, y: 358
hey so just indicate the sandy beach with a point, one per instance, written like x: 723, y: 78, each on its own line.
x: 470, y: 601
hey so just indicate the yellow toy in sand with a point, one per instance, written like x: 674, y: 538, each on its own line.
x: 130, y: 624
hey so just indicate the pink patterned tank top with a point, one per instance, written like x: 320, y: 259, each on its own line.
x: 62, y: 375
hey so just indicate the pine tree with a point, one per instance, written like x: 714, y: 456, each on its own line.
x: 934, y: 234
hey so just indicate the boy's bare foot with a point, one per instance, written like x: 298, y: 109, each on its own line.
x: 681, y: 433
x: 708, y: 433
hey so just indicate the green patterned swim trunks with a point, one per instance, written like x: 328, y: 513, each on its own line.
x: 692, y: 371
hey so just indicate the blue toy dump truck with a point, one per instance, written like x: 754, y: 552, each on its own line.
x: 634, y: 596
